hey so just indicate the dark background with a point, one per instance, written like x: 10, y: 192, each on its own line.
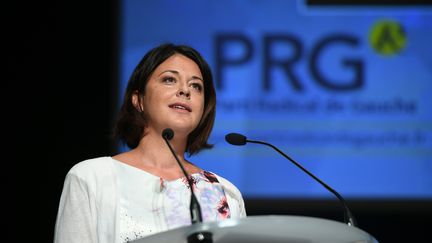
x: 58, y: 108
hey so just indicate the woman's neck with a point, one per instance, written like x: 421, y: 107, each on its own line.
x: 153, y: 155
x: 153, y: 150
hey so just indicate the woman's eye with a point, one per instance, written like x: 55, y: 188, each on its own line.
x: 168, y: 79
x: 197, y: 86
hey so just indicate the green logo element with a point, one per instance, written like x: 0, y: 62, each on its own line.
x: 387, y: 37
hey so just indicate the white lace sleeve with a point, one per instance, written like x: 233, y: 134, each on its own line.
x: 76, y: 218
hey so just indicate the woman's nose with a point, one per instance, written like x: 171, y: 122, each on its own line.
x: 183, y: 91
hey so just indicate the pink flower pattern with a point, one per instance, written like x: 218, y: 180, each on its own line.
x: 210, y: 194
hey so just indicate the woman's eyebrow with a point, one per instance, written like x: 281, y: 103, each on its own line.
x: 196, y: 77
x: 170, y: 71
x: 177, y: 73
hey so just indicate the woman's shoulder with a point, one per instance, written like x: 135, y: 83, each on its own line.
x: 234, y: 197
x: 95, y: 176
x: 226, y: 184
x: 90, y: 167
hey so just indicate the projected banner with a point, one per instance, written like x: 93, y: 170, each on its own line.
x: 344, y: 91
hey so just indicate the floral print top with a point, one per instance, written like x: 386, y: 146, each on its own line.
x: 150, y: 204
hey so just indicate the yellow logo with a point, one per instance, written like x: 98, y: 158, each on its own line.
x: 387, y: 37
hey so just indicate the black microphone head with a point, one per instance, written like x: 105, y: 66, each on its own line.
x: 235, y: 139
x: 168, y: 133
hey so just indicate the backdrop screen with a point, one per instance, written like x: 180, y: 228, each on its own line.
x: 345, y: 91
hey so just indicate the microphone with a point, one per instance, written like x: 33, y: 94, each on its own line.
x: 195, y: 208
x: 239, y: 140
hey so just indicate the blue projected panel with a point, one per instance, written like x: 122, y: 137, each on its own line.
x: 344, y: 91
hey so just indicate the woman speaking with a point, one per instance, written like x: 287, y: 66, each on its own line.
x: 144, y: 191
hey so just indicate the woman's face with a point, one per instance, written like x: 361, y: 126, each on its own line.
x: 174, y: 96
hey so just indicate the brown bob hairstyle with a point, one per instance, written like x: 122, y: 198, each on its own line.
x: 131, y: 123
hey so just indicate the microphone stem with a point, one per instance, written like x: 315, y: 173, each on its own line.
x: 195, y: 208
x: 348, y: 216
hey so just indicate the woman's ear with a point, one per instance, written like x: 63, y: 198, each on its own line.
x: 136, y: 101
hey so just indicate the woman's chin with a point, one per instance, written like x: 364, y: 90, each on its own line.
x: 181, y: 129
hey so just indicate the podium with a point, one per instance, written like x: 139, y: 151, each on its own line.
x: 268, y: 229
